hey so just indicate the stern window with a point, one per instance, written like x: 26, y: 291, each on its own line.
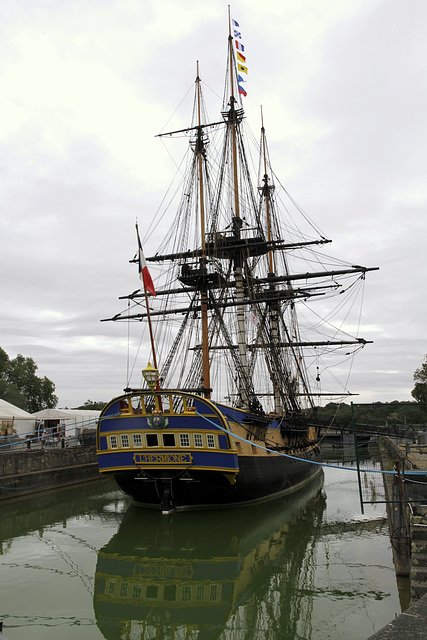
x: 168, y: 440
x: 184, y: 439
x: 198, y: 440
x: 113, y: 442
x: 152, y: 440
x: 137, y: 439
x: 124, y: 440
x: 211, y: 440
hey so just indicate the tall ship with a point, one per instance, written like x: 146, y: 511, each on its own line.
x: 225, y: 412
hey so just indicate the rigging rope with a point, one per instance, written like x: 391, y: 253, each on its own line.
x: 286, y: 455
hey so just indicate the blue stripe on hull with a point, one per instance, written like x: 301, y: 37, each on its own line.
x: 182, y: 459
x: 181, y: 422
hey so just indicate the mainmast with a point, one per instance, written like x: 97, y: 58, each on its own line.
x: 232, y: 119
x: 199, y: 150
x: 237, y: 225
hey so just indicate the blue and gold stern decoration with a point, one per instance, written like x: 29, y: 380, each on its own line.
x: 157, y: 421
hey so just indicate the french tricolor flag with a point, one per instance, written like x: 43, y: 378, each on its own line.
x: 144, y: 274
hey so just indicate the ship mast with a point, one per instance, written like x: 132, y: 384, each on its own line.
x: 239, y: 263
x: 237, y: 225
x: 199, y: 149
x: 266, y: 190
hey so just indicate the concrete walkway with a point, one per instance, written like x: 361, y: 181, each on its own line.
x: 410, y: 625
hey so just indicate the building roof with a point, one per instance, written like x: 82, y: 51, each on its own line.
x: 51, y: 414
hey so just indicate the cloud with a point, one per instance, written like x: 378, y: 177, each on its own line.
x: 85, y: 88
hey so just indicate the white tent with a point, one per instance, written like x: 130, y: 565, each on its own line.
x: 76, y: 421
x: 51, y: 414
x: 21, y: 421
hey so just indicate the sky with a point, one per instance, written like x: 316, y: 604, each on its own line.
x: 85, y: 87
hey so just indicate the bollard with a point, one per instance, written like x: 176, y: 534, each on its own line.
x: 1, y: 629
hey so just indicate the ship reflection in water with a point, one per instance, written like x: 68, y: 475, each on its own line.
x: 194, y: 574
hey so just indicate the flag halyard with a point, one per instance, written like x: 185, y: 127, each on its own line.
x: 241, y: 59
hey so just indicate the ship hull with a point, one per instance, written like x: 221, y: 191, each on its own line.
x: 258, y: 480
x: 177, y: 451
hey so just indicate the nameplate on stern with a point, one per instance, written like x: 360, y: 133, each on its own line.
x: 163, y: 458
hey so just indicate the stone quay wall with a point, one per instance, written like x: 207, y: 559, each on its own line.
x: 32, y: 471
x: 407, y: 512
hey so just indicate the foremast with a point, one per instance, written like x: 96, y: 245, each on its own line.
x: 199, y: 150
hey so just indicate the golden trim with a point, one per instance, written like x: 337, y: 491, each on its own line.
x: 181, y: 458
x: 189, y: 411
x: 227, y: 424
x: 156, y: 450
x: 160, y: 444
x: 177, y: 466
x: 174, y: 430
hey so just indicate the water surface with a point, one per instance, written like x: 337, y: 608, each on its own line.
x: 86, y: 563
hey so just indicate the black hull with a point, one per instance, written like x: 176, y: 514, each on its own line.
x: 259, y: 479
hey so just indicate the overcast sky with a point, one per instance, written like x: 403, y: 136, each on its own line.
x: 86, y: 85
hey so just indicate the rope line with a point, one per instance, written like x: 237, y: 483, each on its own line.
x: 322, y: 464
x: 230, y: 433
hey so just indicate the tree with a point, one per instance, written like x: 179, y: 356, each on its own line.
x: 91, y: 404
x: 419, y: 392
x: 8, y: 390
x: 20, y: 385
x: 10, y: 393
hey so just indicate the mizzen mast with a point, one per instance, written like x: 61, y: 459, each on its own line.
x: 266, y: 191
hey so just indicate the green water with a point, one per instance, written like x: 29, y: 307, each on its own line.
x: 84, y: 563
